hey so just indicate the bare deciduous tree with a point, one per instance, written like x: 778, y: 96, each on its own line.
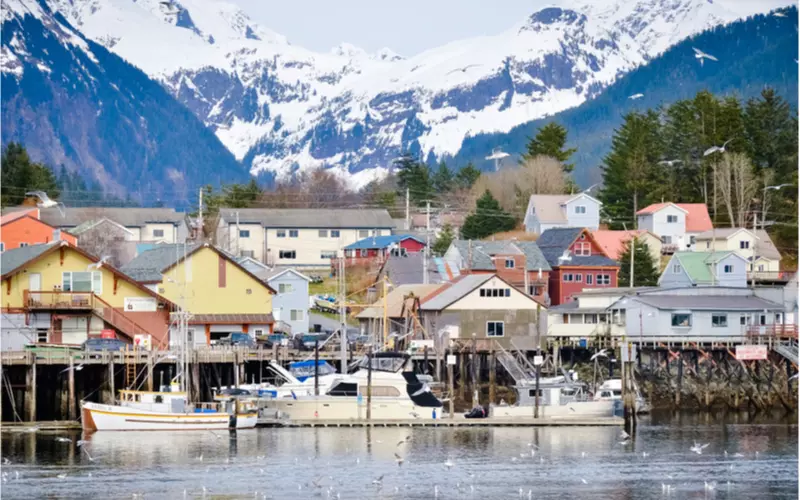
x: 736, y: 184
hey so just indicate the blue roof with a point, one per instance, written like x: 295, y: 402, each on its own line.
x: 381, y: 241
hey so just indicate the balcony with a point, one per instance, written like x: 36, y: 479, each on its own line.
x: 58, y: 300
x: 769, y: 276
x: 585, y: 330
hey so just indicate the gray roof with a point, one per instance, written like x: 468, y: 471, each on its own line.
x: 572, y: 306
x: 482, y: 252
x: 16, y: 257
x: 454, y: 291
x: 547, y: 207
x: 553, y: 242
x: 311, y: 217
x: 407, y: 270
x: 708, y: 302
x: 128, y: 216
x: 149, y: 265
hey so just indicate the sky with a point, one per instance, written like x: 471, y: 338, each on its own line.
x: 408, y: 27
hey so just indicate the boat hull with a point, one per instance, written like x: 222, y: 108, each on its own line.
x: 347, y: 408
x: 575, y: 409
x: 99, y: 417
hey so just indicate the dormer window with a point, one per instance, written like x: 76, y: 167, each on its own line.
x: 510, y: 264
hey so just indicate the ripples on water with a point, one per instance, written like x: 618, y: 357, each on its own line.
x: 487, y: 463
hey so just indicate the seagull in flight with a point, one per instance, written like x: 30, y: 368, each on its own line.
x: 379, y: 480
x: 421, y: 391
x: 404, y: 441
x: 698, y: 448
x: 635, y: 96
x: 669, y: 163
x: 398, y: 459
x: 464, y: 69
x: 76, y: 368
x: 602, y: 353
x: 448, y: 464
x: 46, y: 202
x: 716, y: 149
x: 779, y: 14
x: 699, y: 54
x: 99, y: 263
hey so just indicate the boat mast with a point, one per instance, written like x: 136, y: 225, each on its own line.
x: 342, y: 316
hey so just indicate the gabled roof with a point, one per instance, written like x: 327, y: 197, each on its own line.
x: 12, y: 216
x: 381, y: 241
x: 451, y: 292
x: 277, y: 273
x: 408, y: 270
x: 764, y: 247
x: 707, y: 302
x: 697, y: 218
x: 555, y: 241
x: 613, y: 242
x: 482, y: 252
x: 90, y: 224
x: 548, y: 207
x: 395, y: 299
x: 697, y: 265
x: 311, y: 217
x: 151, y: 265
x: 127, y: 216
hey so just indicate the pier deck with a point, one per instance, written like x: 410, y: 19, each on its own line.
x: 447, y: 422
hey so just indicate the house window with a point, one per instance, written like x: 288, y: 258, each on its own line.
x: 719, y: 320
x: 672, y: 219
x: 727, y: 269
x: 777, y: 317
x: 363, y: 234
x: 743, y: 319
x: 56, y: 234
x: 579, y: 278
x: 258, y: 332
x: 285, y: 288
x: 2, y: 247
x: 744, y: 245
x: 483, y: 292
x: 583, y: 249
x: 667, y: 240
x: 323, y: 233
x: 334, y: 233
x: 158, y: 233
x: 761, y: 267
x: 580, y: 209
x: 247, y: 253
x: 244, y: 233
x: 676, y: 269
x: 534, y: 290
x: 762, y: 319
x: 590, y: 319
x: 287, y: 254
x: 22, y: 244
x: 692, y: 240
x: 708, y: 245
x: 296, y: 315
x: 681, y: 320
x: 567, y: 278
x: 293, y: 233
x: 509, y: 263
x: 589, y: 279
x: 327, y: 254
x: 364, y: 252
x: 82, y: 282
x: 603, y: 279
x: 494, y: 328
x: 280, y: 233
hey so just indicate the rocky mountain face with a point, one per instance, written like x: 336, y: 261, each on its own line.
x: 71, y: 102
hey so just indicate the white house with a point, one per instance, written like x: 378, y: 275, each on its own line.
x: 546, y: 211
x: 705, y: 269
x: 756, y: 247
x: 589, y: 315
x: 297, y: 237
x: 677, y: 224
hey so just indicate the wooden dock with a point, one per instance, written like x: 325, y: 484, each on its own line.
x: 50, y: 425
x: 459, y: 421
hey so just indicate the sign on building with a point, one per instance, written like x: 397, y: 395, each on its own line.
x: 140, y: 304
x: 751, y: 352
x: 142, y: 341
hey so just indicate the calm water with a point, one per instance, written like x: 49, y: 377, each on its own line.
x: 486, y: 463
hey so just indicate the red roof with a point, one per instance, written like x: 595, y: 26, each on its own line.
x: 697, y: 218
x: 12, y: 216
x: 613, y: 242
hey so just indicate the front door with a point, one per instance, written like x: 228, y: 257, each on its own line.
x: 55, y: 336
x: 35, y: 282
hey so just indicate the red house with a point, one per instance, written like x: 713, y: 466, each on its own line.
x: 577, y: 261
x: 376, y: 249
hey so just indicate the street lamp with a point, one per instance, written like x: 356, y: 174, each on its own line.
x: 764, y: 201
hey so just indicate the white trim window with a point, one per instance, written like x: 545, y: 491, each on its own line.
x: 583, y: 248
x: 727, y: 269
x: 335, y: 233
x: 296, y: 315
x: 285, y: 288
x: 327, y: 254
x: 719, y: 320
x: 82, y: 281
x: 22, y: 244
x: 363, y: 234
x: 244, y: 233
x: 323, y: 233
x: 567, y: 278
x: 294, y: 233
x: 509, y: 264
x: 578, y: 278
x: 280, y: 233
x: 159, y: 233
x: 676, y: 269
x: 672, y: 219
x: 589, y: 279
x: 666, y: 240
x: 495, y: 329
x: 603, y: 279
x: 580, y: 209
x: 287, y: 254
x: 744, y: 245
x: 2, y: 247
x: 681, y: 320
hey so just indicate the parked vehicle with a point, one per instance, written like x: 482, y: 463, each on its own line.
x: 98, y: 344
x: 238, y: 339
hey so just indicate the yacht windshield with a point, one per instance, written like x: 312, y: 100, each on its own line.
x: 305, y: 369
x: 380, y: 363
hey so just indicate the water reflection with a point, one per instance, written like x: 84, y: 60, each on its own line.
x: 344, y: 463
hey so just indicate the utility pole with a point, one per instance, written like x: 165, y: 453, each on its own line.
x: 385, y: 313
x: 369, y: 383
x: 237, y: 233
x: 408, y: 213
x: 427, y: 242
x: 343, y: 317
x: 633, y: 254
x: 450, y: 381
x: 200, y: 217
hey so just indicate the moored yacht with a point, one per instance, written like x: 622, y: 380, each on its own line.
x: 561, y: 396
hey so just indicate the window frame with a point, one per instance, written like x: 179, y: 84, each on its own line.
x: 296, y: 315
x: 603, y: 280
x: 363, y: 233
x: 512, y: 261
x: 294, y: 233
x: 681, y: 314
x: 156, y: 233
x: 335, y: 233
x: 727, y: 269
x: 244, y: 233
x: 331, y: 254
x: 565, y: 276
x: 672, y: 219
x: 282, y: 254
x: 280, y: 233
x: 22, y: 244
x: 95, y: 282
x: 744, y: 245
x: 677, y: 269
x: 578, y: 277
x: 285, y: 288
x: 495, y: 323
x: 719, y: 324
x: 589, y: 279
x: 580, y: 209
x: 322, y: 233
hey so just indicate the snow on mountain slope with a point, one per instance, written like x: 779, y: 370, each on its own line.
x: 280, y: 107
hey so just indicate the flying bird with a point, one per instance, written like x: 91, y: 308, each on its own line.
x: 99, y: 263
x: 779, y: 14
x: 76, y: 368
x: 602, y: 353
x: 398, y: 459
x: 699, y: 54
x: 379, y: 480
x: 46, y: 202
x: 698, y: 448
x: 635, y: 96
x: 716, y: 149
x: 669, y: 163
x: 448, y: 464
x: 421, y: 391
x: 463, y: 69
x: 403, y: 441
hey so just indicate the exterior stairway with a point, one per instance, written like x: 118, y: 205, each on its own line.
x: 787, y: 349
x: 513, y: 367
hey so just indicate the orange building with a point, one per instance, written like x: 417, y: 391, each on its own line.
x: 20, y: 229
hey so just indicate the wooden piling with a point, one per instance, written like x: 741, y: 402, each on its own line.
x: 63, y: 398
x: 30, y: 393
x: 680, y: 381
x: 425, y: 360
x: 475, y: 369
x: 195, y: 387
x: 451, y: 387
x: 111, y: 390
x: 150, y: 373
x: 492, y: 376
x: 71, y: 410
x: 462, y: 375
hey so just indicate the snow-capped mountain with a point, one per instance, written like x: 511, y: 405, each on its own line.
x: 279, y: 107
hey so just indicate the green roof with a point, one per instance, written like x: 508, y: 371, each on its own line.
x: 697, y: 264
x: 16, y: 257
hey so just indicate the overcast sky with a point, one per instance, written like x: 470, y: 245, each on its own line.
x: 407, y: 27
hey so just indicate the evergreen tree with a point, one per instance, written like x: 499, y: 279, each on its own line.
x: 645, y: 270
x: 551, y: 141
x: 631, y: 177
x: 241, y: 195
x: 20, y: 175
x: 487, y: 219
x: 414, y: 176
x: 443, y: 241
x: 443, y: 179
x: 467, y: 176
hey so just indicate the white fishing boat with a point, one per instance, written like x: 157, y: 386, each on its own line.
x: 611, y: 390
x: 160, y: 411
x: 561, y: 396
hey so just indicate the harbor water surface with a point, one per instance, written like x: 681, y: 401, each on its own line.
x: 745, y: 458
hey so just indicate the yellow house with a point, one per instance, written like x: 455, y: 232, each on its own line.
x: 222, y: 296
x: 764, y: 260
x: 57, y: 293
